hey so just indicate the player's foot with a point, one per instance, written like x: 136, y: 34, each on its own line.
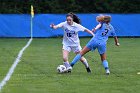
x: 71, y: 65
x: 69, y: 69
x: 88, y: 70
x: 107, y: 72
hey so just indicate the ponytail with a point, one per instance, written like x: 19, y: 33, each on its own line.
x: 75, y: 18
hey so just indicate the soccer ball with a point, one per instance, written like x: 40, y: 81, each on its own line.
x: 61, y: 69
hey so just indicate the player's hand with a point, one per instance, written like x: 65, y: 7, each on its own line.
x: 51, y: 25
x: 93, y: 30
x: 117, y: 44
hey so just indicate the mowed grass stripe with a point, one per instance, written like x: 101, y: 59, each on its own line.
x: 37, y: 71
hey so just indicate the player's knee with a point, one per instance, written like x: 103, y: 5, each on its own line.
x: 83, y: 59
x: 103, y: 56
x: 81, y: 53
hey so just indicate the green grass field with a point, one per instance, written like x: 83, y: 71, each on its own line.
x: 36, y: 72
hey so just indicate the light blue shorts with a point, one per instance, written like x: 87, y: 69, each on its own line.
x: 99, y: 44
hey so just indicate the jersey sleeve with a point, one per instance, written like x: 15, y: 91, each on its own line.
x: 80, y: 28
x: 60, y: 25
x: 113, y: 32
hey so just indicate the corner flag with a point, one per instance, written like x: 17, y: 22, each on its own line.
x: 32, y: 11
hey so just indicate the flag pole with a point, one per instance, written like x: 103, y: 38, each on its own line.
x: 32, y: 16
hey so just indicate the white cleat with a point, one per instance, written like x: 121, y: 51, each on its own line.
x: 107, y: 72
x: 69, y: 69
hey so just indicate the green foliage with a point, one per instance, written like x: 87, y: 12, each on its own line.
x: 65, y: 6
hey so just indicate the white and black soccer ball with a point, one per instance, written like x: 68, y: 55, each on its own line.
x: 61, y: 69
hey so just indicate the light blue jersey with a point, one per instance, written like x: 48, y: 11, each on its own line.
x: 104, y: 32
x: 101, y: 37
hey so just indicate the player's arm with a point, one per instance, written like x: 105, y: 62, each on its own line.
x: 97, y: 27
x: 54, y: 26
x: 88, y: 31
x: 115, y: 37
x: 81, y: 28
x: 116, y: 41
x: 57, y: 26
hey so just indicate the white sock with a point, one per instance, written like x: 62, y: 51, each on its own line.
x: 85, y: 63
x: 66, y: 64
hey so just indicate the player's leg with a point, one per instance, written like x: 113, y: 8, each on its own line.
x: 65, y: 58
x: 105, y: 63
x: 102, y: 51
x: 77, y: 50
x: 90, y: 46
x: 84, y: 61
x: 65, y: 52
x: 78, y: 56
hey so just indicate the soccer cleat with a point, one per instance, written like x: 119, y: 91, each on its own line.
x: 107, y: 72
x: 88, y: 70
x: 69, y: 69
x: 71, y: 65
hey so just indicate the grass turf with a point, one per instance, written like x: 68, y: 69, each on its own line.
x: 36, y: 73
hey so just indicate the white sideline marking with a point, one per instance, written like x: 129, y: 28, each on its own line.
x: 11, y: 70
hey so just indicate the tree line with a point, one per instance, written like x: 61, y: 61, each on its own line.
x: 65, y: 6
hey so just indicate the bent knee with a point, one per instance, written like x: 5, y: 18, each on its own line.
x: 83, y: 59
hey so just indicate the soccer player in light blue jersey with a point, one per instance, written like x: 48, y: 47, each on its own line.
x: 103, y: 30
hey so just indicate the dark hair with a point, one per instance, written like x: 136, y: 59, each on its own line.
x: 75, y: 17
